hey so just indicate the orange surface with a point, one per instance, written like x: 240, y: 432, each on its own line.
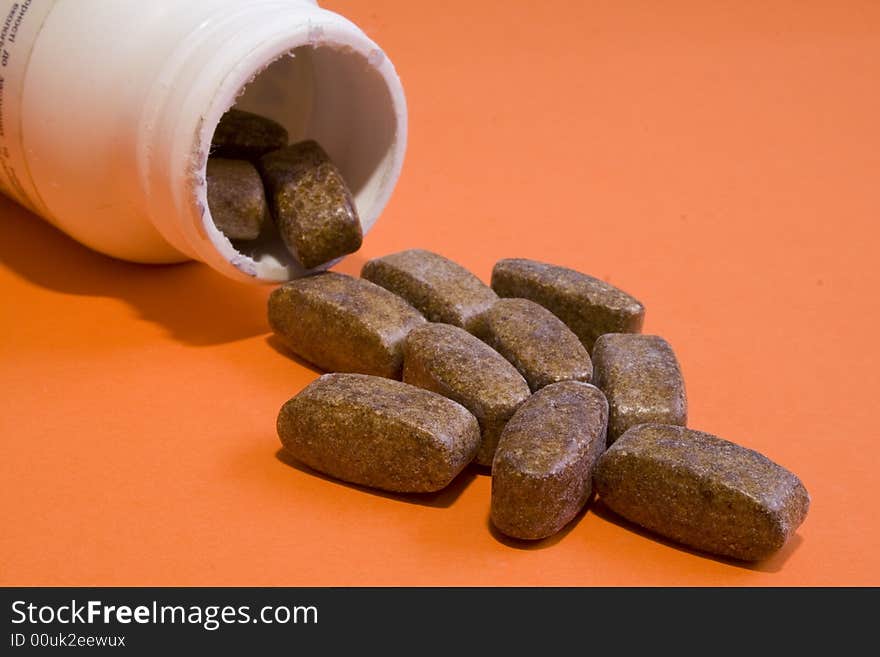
x: 719, y: 160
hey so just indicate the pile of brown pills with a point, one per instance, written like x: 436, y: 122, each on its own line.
x: 544, y: 376
x: 260, y: 187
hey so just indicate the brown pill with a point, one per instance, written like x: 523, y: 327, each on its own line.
x: 640, y: 376
x: 448, y: 360
x: 543, y: 467
x: 441, y: 289
x: 701, y: 491
x: 311, y: 204
x: 379, y: 433
x: 536, y: 342
x: 236, y: 198
x: 246, y: 136
x: 587, y: 305
x: 343, y: 324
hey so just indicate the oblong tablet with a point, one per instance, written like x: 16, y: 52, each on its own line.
x: 236, y: 198
x: 642, y: 380
x: 311, y: 204
x: 701, y: 491
x: 379, y: 433
x: 441, y: 289
x: 536, y: 342
x: 543, y: 467
x: 243, y: 135
x: 587, y: 305
x: 343, y: 324
x: 450, y: 361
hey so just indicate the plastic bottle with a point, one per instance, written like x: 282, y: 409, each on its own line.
x: 107, y: 109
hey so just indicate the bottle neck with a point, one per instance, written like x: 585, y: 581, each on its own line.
x: 307, y: 68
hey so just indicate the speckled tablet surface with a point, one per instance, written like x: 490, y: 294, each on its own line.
x: 450, y: 361
x: 311, y: 204
x: 343, y: 324
x: 247, y: 136
x: 543, y: 466
x: 236, y: 198
x: 702, y: 491
x: 441, y: 289
x: 378, y: 432
x: 642, y: 379
x: 541, y: 347
x: 587, y: 305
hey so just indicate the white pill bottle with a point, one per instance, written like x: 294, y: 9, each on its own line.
x: 108, y: 107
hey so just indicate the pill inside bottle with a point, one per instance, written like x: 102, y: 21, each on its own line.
x: 324, y: 172
x: 132, y: 180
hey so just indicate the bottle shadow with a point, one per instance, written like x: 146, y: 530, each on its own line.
x: 772, y: 564
x: 194, y: 304
x: 444, y: 498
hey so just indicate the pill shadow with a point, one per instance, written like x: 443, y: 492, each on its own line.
x: 482, y: 470
x: 543, y: 543
x: 442, y: 499
x: 772, y: 564
x: 279, y: 347
x: 194, y: 304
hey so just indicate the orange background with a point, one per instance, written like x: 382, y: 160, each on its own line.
x: 719, y: 160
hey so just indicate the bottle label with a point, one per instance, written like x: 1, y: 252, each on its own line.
x: 20, y: 23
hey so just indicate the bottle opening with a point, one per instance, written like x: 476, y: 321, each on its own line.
x: 347, y: 100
